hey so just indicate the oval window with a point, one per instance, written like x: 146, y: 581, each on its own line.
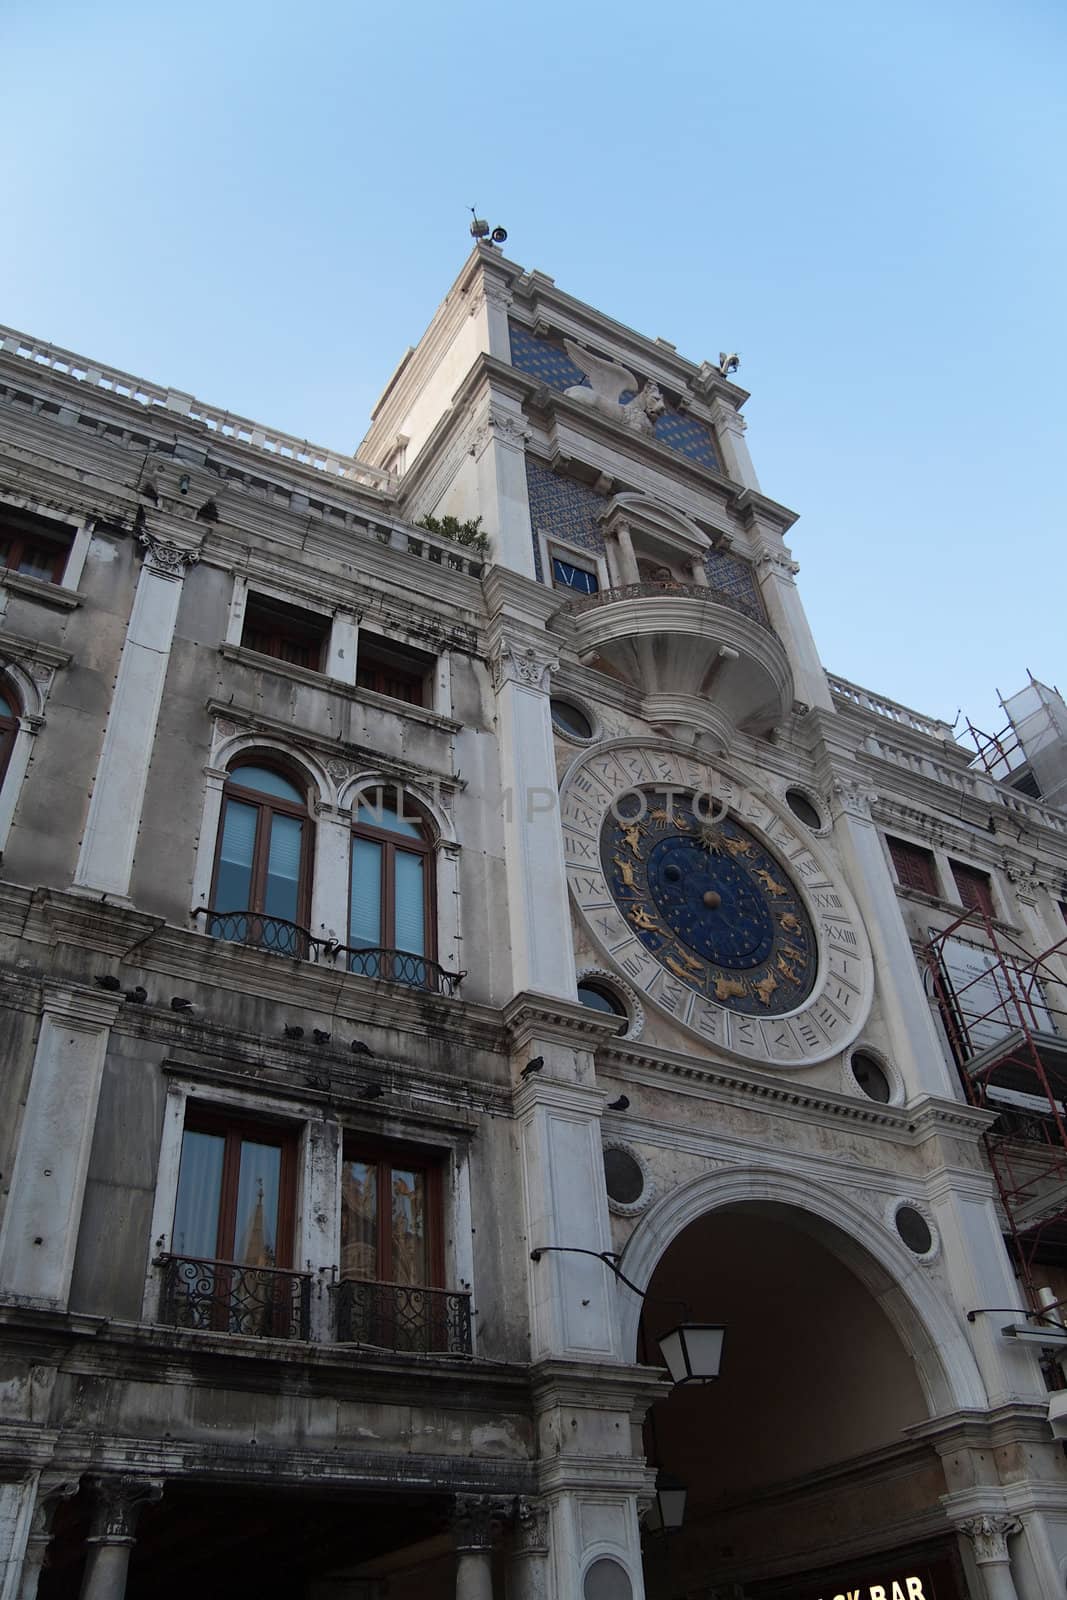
x: 801, y: 807
x: 568, y: 719
x: 914, y: 1230
x: 870, y: 1077
x: 623, y: 1177
x: 598, y: 997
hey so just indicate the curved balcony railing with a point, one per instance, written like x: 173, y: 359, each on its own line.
x: 400, y: 1316
x: 284, y: 938
x: 228, y: 1297
x: 653, y: 591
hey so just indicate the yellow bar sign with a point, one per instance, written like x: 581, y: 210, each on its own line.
x: 896, y: 1589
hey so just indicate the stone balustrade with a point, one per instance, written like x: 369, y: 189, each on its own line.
x: 879, y: 706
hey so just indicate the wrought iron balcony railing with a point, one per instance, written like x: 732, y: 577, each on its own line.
x: 275, y: 934
x: 653, y: 591
x: 405, y: 1317
x: 226, y: 1297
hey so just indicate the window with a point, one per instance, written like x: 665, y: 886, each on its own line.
x: 285, y: 632
x: 230, y: 1264
x: 393, y: 670
x: 568, y: 574
x: 390, y: 1217
x: 392, y: 1255
x: 391, y: 922
x: 33, y: 546
x: 9, y: 726
x: 599, y: 997
x: 974, y: 888
x: 569, y: 719
x: 262, y: 863
x: 913, y: 866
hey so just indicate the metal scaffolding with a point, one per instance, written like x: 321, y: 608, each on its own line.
x: 1007, y: 1028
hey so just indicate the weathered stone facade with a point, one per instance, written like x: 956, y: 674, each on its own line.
x: 216, y: 640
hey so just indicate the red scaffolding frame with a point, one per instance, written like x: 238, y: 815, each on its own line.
x: 1018, y: 1043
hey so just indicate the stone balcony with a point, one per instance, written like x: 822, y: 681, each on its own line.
x: 698, y: 661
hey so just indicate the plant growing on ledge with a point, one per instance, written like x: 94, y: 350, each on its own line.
x: 467, y: 533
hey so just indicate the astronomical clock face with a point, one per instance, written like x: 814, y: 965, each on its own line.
x: 707, y: 898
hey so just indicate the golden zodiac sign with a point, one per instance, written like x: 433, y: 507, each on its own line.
x: 678, y: 970
x: 710, y: 838
x: 790, y: 923
x: 695, y: 967
x: 770, y: 884
x: 731, y: 989
x: 766, y: 987
x: 791, y: 952
x: 641, y: 919
x: 659, y: 815
x: 632, y: 835
x: 626, y: 871
x: 786, y: 970
x: 737, y: 847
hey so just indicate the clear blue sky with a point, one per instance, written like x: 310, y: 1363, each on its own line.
x: 263, y: 204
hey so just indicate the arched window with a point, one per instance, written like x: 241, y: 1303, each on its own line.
x: 9, y: 726
x: 391, y: 895
x: 262, y: 861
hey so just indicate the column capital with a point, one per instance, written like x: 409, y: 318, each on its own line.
x: 476, y: 1519
x: 50, y: 1491
x: 516, y: 660
x: 989, y: 1533
x: 117, y: 1505
x: 165, y: 559
x: 531, y: 1526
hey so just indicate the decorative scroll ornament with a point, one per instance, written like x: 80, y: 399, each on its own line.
x: 609, y: 381
x: 854, y: 798
x: 166, y: 559
x: 989, y: 1535
x: 49, y: 1493
x: 726, y: 418
x: 778, y: 561
x: 514, y: 662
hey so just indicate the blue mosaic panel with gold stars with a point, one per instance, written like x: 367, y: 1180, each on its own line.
x: 709, y: 902
x: 549, y: 362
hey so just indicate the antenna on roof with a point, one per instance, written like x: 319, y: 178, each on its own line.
x: 480, y: 230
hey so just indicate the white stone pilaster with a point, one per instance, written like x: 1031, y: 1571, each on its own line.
x: 916, y: 1047
x: 16, y: 1512
x: 343, y: 648
x: 730, y: 428
x: 329, y: 896
x: 542, y: 951
x: 51, y: 1488
x: 319, y: 1238
x: 40, y: 1228
x: 499, y: 449
x: 105, y: 861
x: 776, y: 572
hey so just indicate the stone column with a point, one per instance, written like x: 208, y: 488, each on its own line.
x: 528, y: 1565
x: 989, y: 1538
x: 343, y: 648
x: 105, y: 861
x: 16, y: 1506
x: 40, y: 1229
x: 629, y: 571
x: 333, y: 848
x: 473, y: 1522
x: 118, y: 1506
x: 50, y: 1491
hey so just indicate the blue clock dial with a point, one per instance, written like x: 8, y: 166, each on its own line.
x: 713, y: 906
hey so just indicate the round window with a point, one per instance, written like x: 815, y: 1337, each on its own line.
x: 568, y: 719
x: 607, y: 1580
x: 598, y: 997
x: 801, y: 807
x: 914, y: 1230
x: 870, y: 1077
x: 623, y: 1176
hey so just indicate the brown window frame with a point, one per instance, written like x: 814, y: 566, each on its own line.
x: 385, y: 1157
x: 974, y: 887
x: 235, y: 1130
x: 267, y: 804
x: 907, y: 858
x: 392, y: 671
x: 20, y: 532
x: 10, y: 714
x: 392, y: 842
x: 275, y: 628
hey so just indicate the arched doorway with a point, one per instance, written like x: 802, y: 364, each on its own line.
x: 804, y: 1478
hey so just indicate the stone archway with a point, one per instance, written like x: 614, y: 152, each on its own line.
x: 837, y: 1345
